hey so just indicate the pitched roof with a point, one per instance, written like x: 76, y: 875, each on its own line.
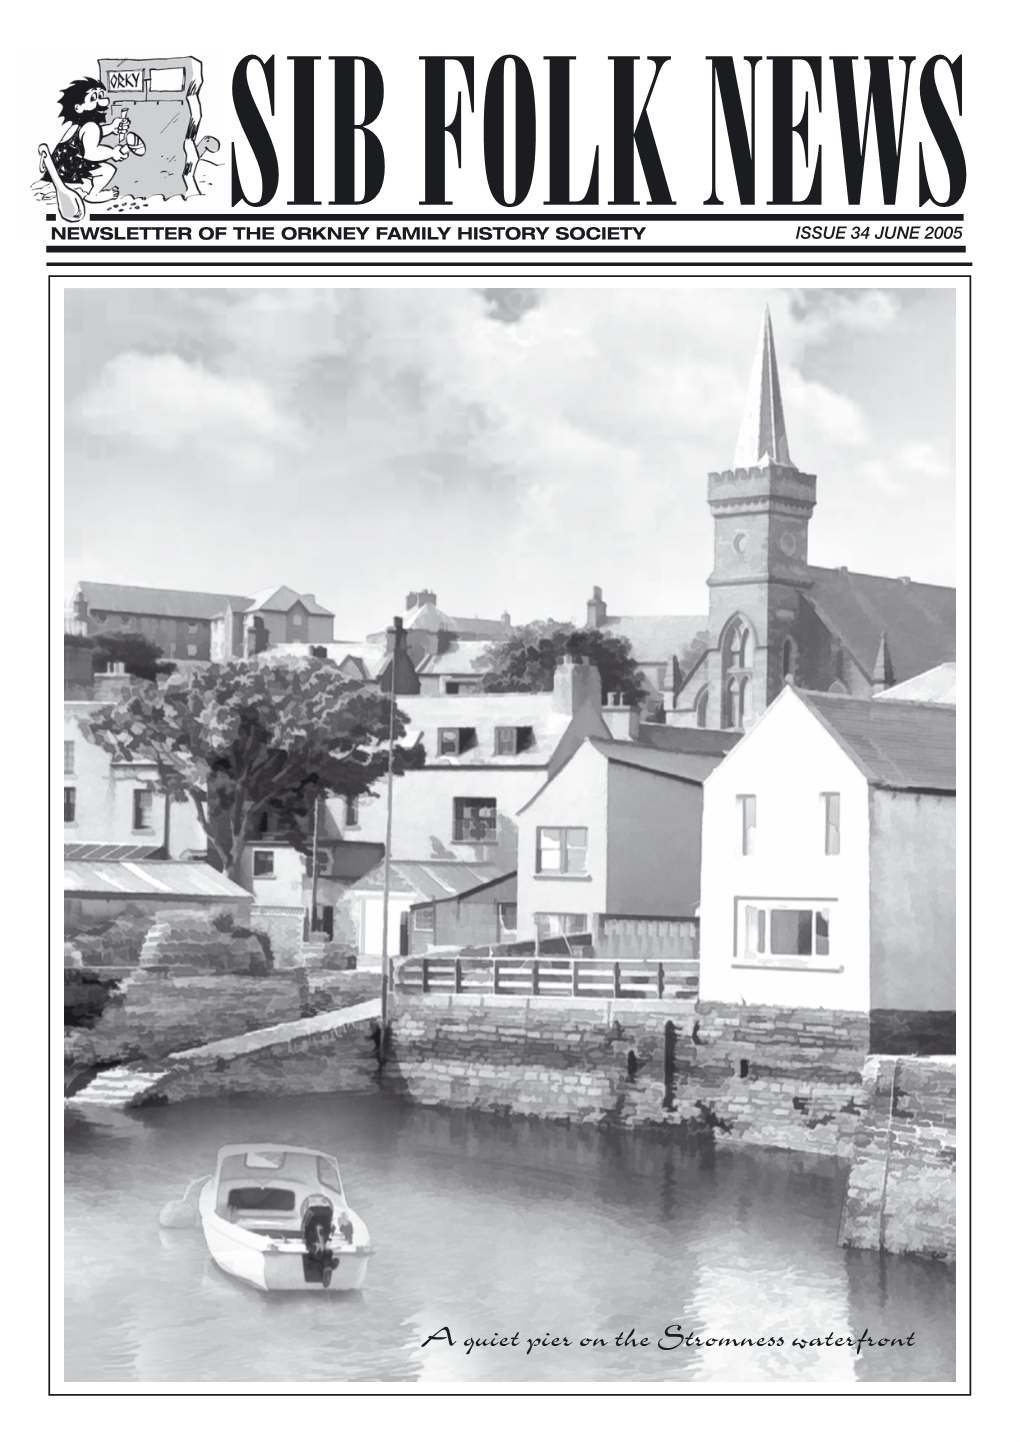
x: 479, y: 626
x: 154, y: 601
x: 371, y: 659
x: 483, y: 713
x: 282, y: 598
x: 919, y: 621
x: 656, y: 638
x: 434, y: 880
x: 762, y: 436
x: 939, y: 684
x: 459, y: 660
x: 108, y: 851
x: 694, y: 740
x: 155, y: 879
x: 904, y: 745
x: 682, y: 766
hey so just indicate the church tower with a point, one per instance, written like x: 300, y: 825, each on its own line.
x: 761, y: 508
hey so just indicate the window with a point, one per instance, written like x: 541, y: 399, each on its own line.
x: 830, y: 812
x: 506, y: 740
x: 68, y: 758
x: 142, y: 811
x: 559, y: 923
x: 474, y: 818
x: 192, y: 628
x: 325, y: 863
x: 507, y: 917
x: 561, y: 850
x: 70, y: 802
x: 424, y: 918
x: 737, y: 648
x: 453, y: 740
x: 192, y: 650
x: 784, y: 932
x: 350, y: 811
x: 787, y: 660
x: 747, y: 823
x: 701, y: 708
x: 262, y: 863
x: 299, y: 618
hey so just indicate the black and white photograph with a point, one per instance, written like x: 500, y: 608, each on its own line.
x: 509, y: 834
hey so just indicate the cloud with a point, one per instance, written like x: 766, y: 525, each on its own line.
x: 171, y: 404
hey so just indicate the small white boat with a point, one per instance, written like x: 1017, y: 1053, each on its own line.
x: 276, y: 1217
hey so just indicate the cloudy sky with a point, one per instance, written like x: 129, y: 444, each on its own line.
x: 508, y: 449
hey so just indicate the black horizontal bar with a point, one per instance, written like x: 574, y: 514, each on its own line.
x: 329, y: 217
x: 515, y: 249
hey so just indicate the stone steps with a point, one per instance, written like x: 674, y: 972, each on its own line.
x: 121, y: 1086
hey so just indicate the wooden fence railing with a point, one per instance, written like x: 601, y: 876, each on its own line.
x: 550, y: 976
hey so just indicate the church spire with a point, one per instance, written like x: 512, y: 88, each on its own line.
x: 882, y: 676
x: 762, y: 435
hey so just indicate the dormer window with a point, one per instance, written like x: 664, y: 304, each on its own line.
x: 455, y: 740
x: 512, y: 739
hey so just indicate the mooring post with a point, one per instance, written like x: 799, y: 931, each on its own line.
x: 456, y: 975
x: 424, y: 974
x: 616, y: 979
x: 662, y: 979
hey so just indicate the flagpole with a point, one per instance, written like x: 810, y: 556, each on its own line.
x: 384, y: 998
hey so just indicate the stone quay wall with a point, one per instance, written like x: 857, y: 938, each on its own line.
x: 901, y: 1194
x: 782, y: 1077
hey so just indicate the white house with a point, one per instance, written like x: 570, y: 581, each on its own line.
x: 828, y: 858
x: 616, y: 832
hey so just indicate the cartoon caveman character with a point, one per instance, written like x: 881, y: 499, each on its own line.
x: 79, y: 157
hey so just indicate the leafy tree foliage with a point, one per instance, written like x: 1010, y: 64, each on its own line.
x: 139, y: 655
x: 242, y: 738
x: 693, y: 650
x: 527, y: 659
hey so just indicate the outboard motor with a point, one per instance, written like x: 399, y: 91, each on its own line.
x: 316, y: 1228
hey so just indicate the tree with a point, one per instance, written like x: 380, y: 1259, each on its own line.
x: 527, y: 659
x: 693, y: 651
x: 139, y: 655
x: 242, y: 738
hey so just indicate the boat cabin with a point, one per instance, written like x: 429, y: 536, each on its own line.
x: 270, y: 1191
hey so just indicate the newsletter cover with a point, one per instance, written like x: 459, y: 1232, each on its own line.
x: 509, y: 486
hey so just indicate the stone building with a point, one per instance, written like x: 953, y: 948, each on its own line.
x: 771, y: 614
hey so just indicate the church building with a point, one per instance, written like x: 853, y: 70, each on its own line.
x: 773, y: 617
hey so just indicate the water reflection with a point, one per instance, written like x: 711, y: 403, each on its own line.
x: 488, y: 1226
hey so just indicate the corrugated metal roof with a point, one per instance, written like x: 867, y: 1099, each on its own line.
x: 906, y: 745
x: 154, y: 601
x: 107, y: 851
x: 433, y: 880
x: 177, y: 879
x: 919, y: 621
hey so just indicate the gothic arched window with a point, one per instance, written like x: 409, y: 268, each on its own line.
x: 701, y: 707
x: 787, y: 660
x: 737, y: 681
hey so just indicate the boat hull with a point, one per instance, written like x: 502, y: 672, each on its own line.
x: 277, y: 1266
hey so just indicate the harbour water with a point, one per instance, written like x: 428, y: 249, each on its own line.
x: 490, y: 1227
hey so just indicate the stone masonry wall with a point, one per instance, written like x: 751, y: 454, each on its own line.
x: 768, y: 1076
x: 901, y: 1193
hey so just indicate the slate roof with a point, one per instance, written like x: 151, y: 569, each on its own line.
x: 434, y: 880
x: 483, y: 714
x: 154, y: 601
x: 431, y: 619
x: 171, y: 879
x: 656, y: 638
x: 684, y: 766
x: 919, y: 621
x: 938, y: 685
x: 458, y: 661
x: 694, y: 740
x: 282, y: 598
x: 903, y: 745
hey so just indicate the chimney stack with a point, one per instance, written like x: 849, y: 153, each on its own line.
x: 574, y: 683
x: 597, y: 610
x: 623, y: 720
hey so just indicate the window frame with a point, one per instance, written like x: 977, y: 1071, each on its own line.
x: 508, y: 741
x: 68, y: 758
x: 138, y: 812
x: 70, y: 805
x: 420, y: 912
x: 565, y: 848
x: 757, y: 951
x: 747, y: 822
x: 550, y: 935
x: 832, y: 835
x: 258, y: 875
x: 459, y: 821
x: 351, y: 811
